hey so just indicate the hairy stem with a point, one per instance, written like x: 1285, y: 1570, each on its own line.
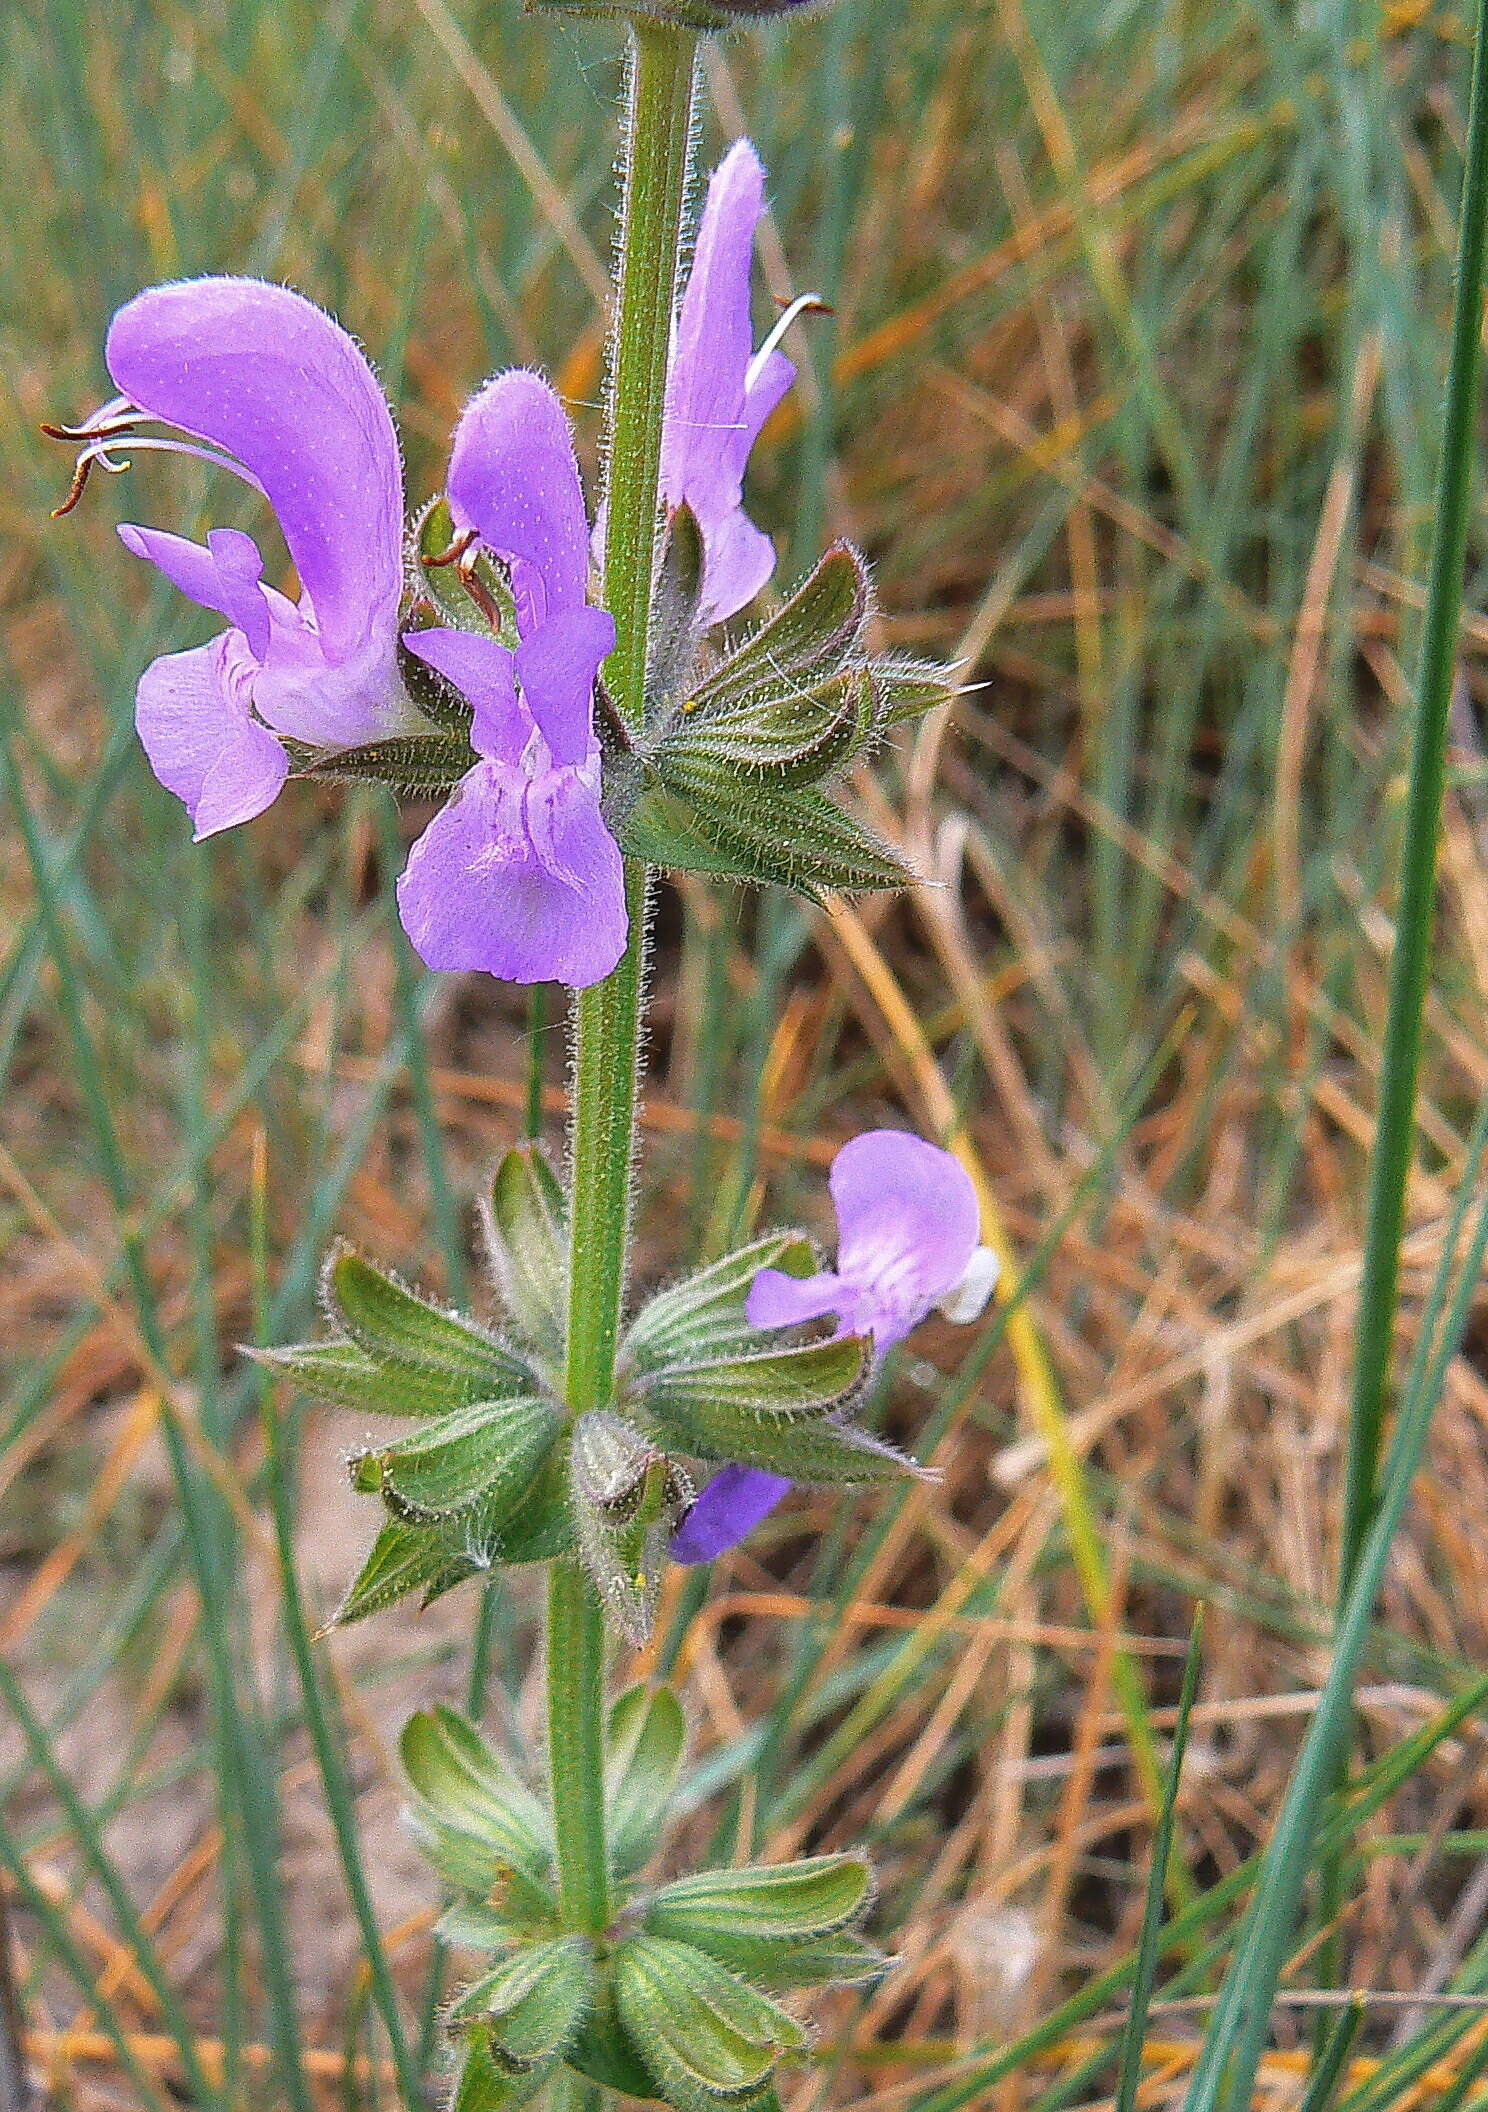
x: 607, y: 1018
x: 576, y: 1644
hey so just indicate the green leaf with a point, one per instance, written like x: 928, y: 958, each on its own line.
x: 541, y: 1527
x: 658, y: 828
x: 419, y: 765
x: 836, y: 1961
x: 801, y: 1378
x: 702, y: 1317
x: 648, y: 1735
x: 463, y: 1785
x: 706, y: 2035
x: 785, y: 836
x: 798, y: 1901
x: 797, y: 735
x: 484, y: 2087
x: 404, y: 1558
x: 345, y: 1376
x: 472, y: 1925
x: 396, y: 1326
x: 816, y: 630
x: 531, y: 2004
x: 907, y: 689
x: 601, y: 2051
x: 808, y: 1448
x: 486, y: 1453
x: 524, y: 1222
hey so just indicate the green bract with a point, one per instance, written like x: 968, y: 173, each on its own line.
x: 492, y: 1467
x: 675, y: 1999
x: 728, y: 774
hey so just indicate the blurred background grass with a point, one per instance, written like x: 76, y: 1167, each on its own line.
x: 1131, y: 393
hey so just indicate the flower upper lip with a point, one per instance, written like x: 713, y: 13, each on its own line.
x: 267, y: 378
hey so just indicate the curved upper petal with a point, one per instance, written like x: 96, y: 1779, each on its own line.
x: 908, y: 1222
x: 266, y: 375
x: 483, y: 672
x: 729, y: 1507
x: 203, y: 743
x: 558, y: 665
x: 704, y: 441
x: 225, y: 575
x: 480, y: 892
x: 513, y: 477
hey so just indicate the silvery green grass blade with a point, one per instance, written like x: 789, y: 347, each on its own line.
x: 1326, y: 2077
x: 1238, y: 2030
x: 1374, y: 1505
x: 1144, y: 1971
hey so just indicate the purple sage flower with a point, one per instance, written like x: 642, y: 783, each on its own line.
x: 908, y: 1229
x: 720, y: 390
x: 263, y: 383
x: 519, y: 875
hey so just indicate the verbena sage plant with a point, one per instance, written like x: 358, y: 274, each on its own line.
x: 584, y: 703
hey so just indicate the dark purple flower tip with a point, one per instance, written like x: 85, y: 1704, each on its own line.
x: 908, y: 1226
x: 729, y: 1508
x: 719, y: 391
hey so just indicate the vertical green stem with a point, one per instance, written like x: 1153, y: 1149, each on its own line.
x: 658, y: 131
x: 607, y: 1018
x: 576, y: 1646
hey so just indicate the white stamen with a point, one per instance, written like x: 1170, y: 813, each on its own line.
x: 798, y: 306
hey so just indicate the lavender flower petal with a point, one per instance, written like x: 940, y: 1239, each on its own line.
x: 265, y: 374
x: 484, y: 672
x: 203, y: 742
x: 518, y: 876
x: 778, y: 1300
x: 716, y: 400
x: 514, y: 479
x: 908, y: 1225
x: 729, y: 1508
x: 226, y: 575
x: 558, y: 666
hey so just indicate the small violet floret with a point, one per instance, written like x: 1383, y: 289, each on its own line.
x: 908, y: 1231
x: 282, y: 396
x: 519, y: 874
